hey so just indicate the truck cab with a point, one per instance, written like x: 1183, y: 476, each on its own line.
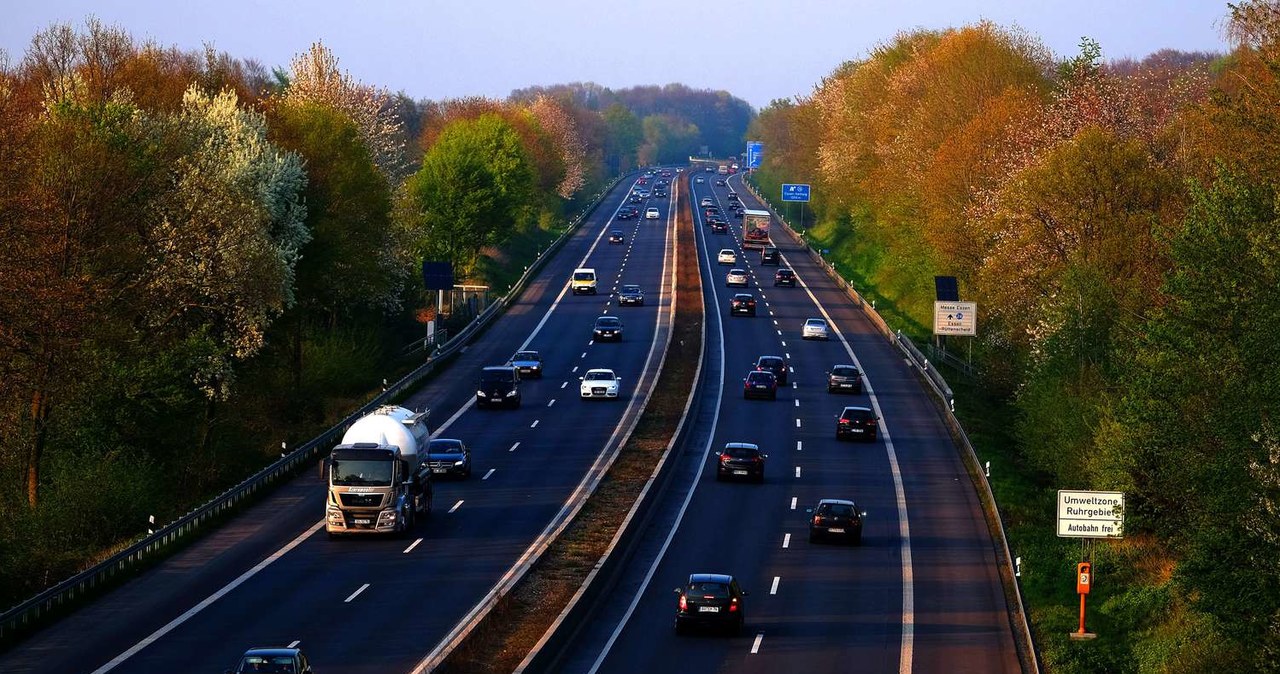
x: 376, y: 480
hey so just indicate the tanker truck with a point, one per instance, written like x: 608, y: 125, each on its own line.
x: 378, y: 482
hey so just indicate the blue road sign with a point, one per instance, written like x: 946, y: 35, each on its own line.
x: 755, y: 150
x: 795, y: 192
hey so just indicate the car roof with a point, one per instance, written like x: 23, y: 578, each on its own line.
x: 600, y: 369
x: 784, y: 270
x: 814, y: 320
x: 837, y: 501
x: 608, y: 318
x: 498, y: 368
x: 616, y: 231
x: 769, y: 356
x: 447, y: 440
x: 857, y: 408
x: 526, y: 354
x: 630, y: 285
x: 272, y: 651
x: 710, y: 578
x: 760, y: 374
x: 741, y: 445
x: 726, y: 250
x: 737, y: 295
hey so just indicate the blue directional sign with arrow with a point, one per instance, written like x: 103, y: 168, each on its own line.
x: 795, y: 192
x: 755, y: 150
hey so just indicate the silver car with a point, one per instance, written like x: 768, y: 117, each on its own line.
x: 815, y: 328
x: 736, y: 277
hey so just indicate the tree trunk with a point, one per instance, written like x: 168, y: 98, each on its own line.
x: 297, y: 356
x: 39, y: 438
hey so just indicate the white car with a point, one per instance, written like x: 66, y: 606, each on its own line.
x: 736, y: 277
x: 706, y: 201
x: 815, y: 328
x: 727, y: 256
x: 599, y: 383
x: 700, y: 180
x: 651, y: 214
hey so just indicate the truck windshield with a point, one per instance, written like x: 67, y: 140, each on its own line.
x: 362, y: 473
x: 584, y: 276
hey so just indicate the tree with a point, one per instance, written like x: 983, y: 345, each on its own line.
x: 624, y: 135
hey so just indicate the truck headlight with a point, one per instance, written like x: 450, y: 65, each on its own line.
x: 386, y: 517
x: 335, y: 516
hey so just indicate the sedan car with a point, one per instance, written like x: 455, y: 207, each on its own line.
x: 707, y: 201
x: 844, y: 379
x: 710, y: 600
x: 528, y: 362
x: 652, y: 214
x: 699, y: 180
x: 608, y: 327
x: 857, y: 422
x: 625, y: 213
x: 631, y: 294
x: 774, y: 364
x: 634, y: 199
x: 744, y: 304
x: 615, y: 236
x: 719, y: 227
x: 727, y: 256
x: 784, y: 277
x: 815, y: 328
x: 760, y: 385
x: 449, y: 456
x: 736, y: 277
x: 836, y: 518
x: 740, y: 459
x: 290, y: 660
x: 599, y: 383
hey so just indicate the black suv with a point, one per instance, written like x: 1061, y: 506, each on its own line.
x: 834, y: 518
x: 740, y: 459
x: 608, y: 327
x: 770, y: 256
x: 616, y: 236
x: 499, y: 385
x: 710, y: 600
x: 856, y: 422
x: 742, y: 303
x: 784, y: 277
x: 844, y: 379
x: 774, y: 364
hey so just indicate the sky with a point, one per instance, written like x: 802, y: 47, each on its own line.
x: 758, y: 50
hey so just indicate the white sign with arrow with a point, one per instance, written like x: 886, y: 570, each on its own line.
x: 955, y: 318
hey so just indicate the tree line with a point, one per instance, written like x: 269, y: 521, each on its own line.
x: 1117, y: 225
x: 206, y: 257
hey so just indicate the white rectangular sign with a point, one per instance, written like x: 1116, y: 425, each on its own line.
x: 1090, y: 514
x: 955, y: 318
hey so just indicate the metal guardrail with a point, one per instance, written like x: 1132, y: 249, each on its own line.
x: 63, y: 595
x: 1013, y: 592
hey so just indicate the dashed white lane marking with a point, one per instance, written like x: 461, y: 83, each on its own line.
x: 797, y: 402
x: 774, y: 588
x: 553, y: 401
x: 574, y: 370
x: 356, y: 593
x: 564, y: 384
x: 584, y: 353
x: 406, y: 551
x: 535, y: 423
x: 793, y: 385
x: 775, y: 321
x: 755, y: 645
x: 488, y: 474
x: 793, y: 502
x: 784, y: 343
x: 293, y: 644
x: 779, y: 333
x: 799, y: 445
x: 797, y: 423
x: 793, y: 370
x: 786, y: 540
x: 788, y: 358
x: 456, y: 506
x: 513, y: 447
x: 797, y: 471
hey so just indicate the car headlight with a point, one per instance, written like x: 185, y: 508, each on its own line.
x: 511, y: 394
x: 480, y: 394
x: 459, y: 462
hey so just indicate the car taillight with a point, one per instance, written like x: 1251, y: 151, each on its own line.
x: 733, y: 604
x: 844, y: 422
x: 817, y: 519
x: 684, y: 603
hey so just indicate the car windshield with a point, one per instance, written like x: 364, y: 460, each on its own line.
x: 361, y: 473
x: 709, y: 590
x: 845, y: 372
x: 281, y: 664
x: 856, y: 415
x: 760, y: 377
x: 835, y: 510
x: 445, y: 447
x: 496, y: 376
x: 816, y: 323
x: 527, y: 355
x: 583, y: 276
x: 740, y: 452
x: 599, y: 376
x: 608, y: 322
x: 630, y: 289
x: 771, y: 362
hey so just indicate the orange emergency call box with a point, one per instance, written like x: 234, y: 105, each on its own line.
x: 1084, y: 573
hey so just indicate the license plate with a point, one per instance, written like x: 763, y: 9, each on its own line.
x: 439, y: 470
x: 361, y: 521
x: 846, y: 386
x: 835, y: 530
x: 739, y: 472
x: 762, y: 386
x: 856, y: 430
x: 708, y: 609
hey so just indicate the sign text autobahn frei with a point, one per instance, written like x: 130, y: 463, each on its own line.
x: 1090, y: 514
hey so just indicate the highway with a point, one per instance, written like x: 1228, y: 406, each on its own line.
x: 270, y: 576
x: 921, y: 594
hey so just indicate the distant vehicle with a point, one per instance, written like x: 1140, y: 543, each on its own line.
x: 643, y: 194
x: 710, y: 212
x: 733, y: 196
x: 499, y: 385
x: 584, y: 281
x: 720, y: 182
x: 760, y: 385
x: 616, y: 236
x: 710, y: 600
x: 856, y: 422
x: 815, y: 328
x: 719, y: 227
x: 755, y: 229
x: 599, y: 383
x: 607, y: 328
x: 652, y: 214
x: 527, y: 363
x: 631, y: 294
x: 287, y: 660
x: 775, y: 364
x: 634, y: 199
x: 784, y: 277
x: 643, y: 181
x: 660, y: 193
x: 733, y: 168
x: 710, y: 169
x: 740, y: 459
x: 722, y: 170
x: 706, y: 201
x: 449, y: 456
x: 742, y: 303
x: 844, y: 379
x: 836, y: 518
x: 625, y: 213
x: 770, y: 255
x: 666, y: 174
x: 726, y: 256
x: 736, y: 277
x: 700, y: 180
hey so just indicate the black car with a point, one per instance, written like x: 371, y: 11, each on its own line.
x: 719, y: 182
x: 738, y: 213
x: 836, y: 518
x: 499, y: 385
x: 449, y: 456
x: 760, y: 385
x: 631, y: 294
x: 635, y: 199
x: 774, y: 364
x: 660, y: 194
x: 741, y: 459
x: 784, y: 277
x: 857, y: 422
x: 608, y: 328
x: 290, y: 660
x: 770, y: 255
x: 627, y: 213
x: 710, y: 600
x: 719, y: 227
x: 615, y: 236
x: 742, y: 303
x: 529, y: 363
x: 844, y: 379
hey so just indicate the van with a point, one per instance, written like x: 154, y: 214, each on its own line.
x: 769, y: 255
x: 584, y: 281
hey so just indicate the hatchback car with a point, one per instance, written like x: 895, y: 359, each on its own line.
x: 770, y: 255
x: 710, y: 600
x: 784, y: 277
x: 740, y: 459
x: 707, y: 201
x: 742, y: 303
x: 652, y: 214
x: 631, y: 294
x: 529, y: 363
x: 836, y: 518
x: 815, y: 328
x: 608, y: 328
x: 844, y: 379
x: 774, y: 364
x: 599, y: 383
x: 449, y: 456
x: 736, y: 277
x: 719, y: 227
x: 727, y: 256
x: 616, y: 236
x: 760, y: 385
x: 288, y: 660
x: 856, y: 422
